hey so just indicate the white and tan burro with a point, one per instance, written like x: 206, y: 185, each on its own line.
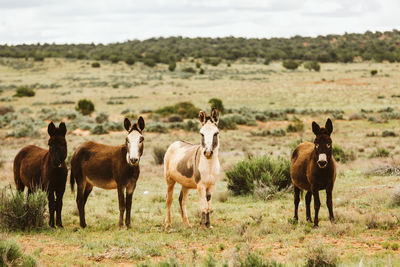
x: 194, y: 167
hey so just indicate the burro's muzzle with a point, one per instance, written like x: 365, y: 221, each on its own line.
x: 208, y: 153
x: 322, y: 160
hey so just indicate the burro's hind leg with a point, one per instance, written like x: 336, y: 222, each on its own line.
x: 170, y: 192
x: 122, y: 204
x: 296, y: 202
x: 183, y: 201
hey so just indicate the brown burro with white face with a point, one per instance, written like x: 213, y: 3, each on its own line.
x: 312, y: 169
x: 194, y: 167
x: 109, y: 167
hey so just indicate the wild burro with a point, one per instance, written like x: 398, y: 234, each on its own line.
x: 194, y: 167
x: 109, y: 167
x: 313, y: 169
x: 38, y: 168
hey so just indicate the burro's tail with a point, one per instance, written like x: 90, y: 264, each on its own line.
x: 72, y: 180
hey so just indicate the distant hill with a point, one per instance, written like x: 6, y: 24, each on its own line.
x: 378, y: 46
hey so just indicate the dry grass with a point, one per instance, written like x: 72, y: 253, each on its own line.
x: 364, y: 214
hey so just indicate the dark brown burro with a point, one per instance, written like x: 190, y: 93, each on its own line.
x: 109, y: 167
x: 313, y: 169
x: 38, y: 168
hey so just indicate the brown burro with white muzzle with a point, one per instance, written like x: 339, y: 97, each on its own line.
x: 109, y: 167
x: 312, y: 169
x: 38, y: 168
x: 194, y: 167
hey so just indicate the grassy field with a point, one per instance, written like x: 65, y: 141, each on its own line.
x: 362, y: 106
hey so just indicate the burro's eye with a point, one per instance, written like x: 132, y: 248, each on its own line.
x: 141, y: 139
x: 202, y: 135
x: 328, y: 145
x: 216, y: 134
x: 317, y: 146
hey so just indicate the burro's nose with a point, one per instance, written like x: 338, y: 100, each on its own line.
x: 208, y: 154
x: 322, y: 160
x: 134, y: 160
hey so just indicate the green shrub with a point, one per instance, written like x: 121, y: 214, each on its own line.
x: 114, y: 126
x: 102, y: 117
x: 85, y: 107
x: 24, y: 91
x: 11, y: 255
x: 374, y: 72
x: 148, y: 61
x: 114, y: 58
x: 18, y: 212
x: 341, y: 156
x: 259, y: 171
x: 198, y: 65
x: 189, y: 70
x: 175, y: 118
x: 158, y: 155
x: 38, y: 57
x: 226, y: 123
x: 201, y: 71
x: 217, y: 103
x: 95, y: 65
x: 172, y: 66
x: 26, y: 127
x: 319, y: 255
x: 130, y: 60
x: 387, y: 133
x: 156, y: 127
x: 395, y: 197
x: 380, y: 153
x: 312, y: 65
x: 99, y: 129
x: 214, y: 61
x: 296, y: 126
x: 254, y: 260
x: 275, y: 132
x: 290, y: 64
x: 185, y: 109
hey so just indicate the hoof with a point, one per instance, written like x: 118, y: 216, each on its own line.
x: 167, y: 225
x: 60, y: 225
x: 210, y: 227
x: 315, y: 226
x: 83, y: 225
x: 333, y: 220
x: 188, y: 225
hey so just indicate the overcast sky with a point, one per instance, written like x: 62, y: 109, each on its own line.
x: 105, y: 21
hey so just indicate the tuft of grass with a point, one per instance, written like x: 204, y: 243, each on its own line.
x: 380, y: 153
x: 24, y: 91
x: 395, y: 197
x: 185, y: 109
x: 341, y: 156
x: 320, y: 255
x: 296, y: 126
x: 11, y: 255
x: 158, y: 154
x: 18, y: 212
x: 248, y: 174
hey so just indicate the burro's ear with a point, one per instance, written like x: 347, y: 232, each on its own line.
x: 315, y: 128
x: 62, y: 129
x: 127, y: 124
x: 329, y: 126
x: 51, y: 129
x: 202, y: 117
x: 140, y: 123
x: 215, y: 115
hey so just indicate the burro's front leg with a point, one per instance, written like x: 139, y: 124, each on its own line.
x: 209, y: 193
x: 129, y: 192
x: 205, y: 203
x: 122, y: 205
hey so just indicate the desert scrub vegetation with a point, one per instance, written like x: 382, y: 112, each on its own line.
x: 11, y: 254
x: 290, y: 64
x: 312, y: 65
x: 320, y: 255
x: 85, y: 107
x: 95, y: 65
x: 380, y: 152
x: 259, y: 174
x: 296, y: 126
x: 23, y: 91
x: 18, y: 212
x: 185, y: 109
x: 217, y: 103
x: 341, y: 156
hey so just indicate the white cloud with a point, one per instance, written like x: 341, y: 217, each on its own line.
x: 31, y: 21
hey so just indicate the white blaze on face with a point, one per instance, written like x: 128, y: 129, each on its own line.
x: 322, y: 157
x: 208, y: 131
x: 133, y: 143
